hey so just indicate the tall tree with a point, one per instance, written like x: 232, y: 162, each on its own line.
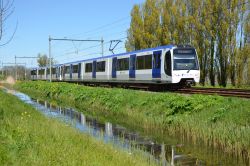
x: 198, y: 22
x: 233, y: 18
x: 247, y: 44
x: 43, y: 60
x: 243, y: 58
x: 212, y: 18
x: 152, y: 26
x: 167, y: 31
x: 135, y: 33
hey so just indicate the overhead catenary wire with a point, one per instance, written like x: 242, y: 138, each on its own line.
x: 87, y: 56
x: 84, y: 49
x: 101, y: 28
x: 67, y: 51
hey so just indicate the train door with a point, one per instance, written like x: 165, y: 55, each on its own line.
x: 132, y: 66
x: 156, y: 71
x: 79, y: 70
x: 114, y: 65
x: 168, y: 64
x: 94, y: 69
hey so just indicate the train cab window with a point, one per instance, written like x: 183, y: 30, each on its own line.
x: 168, y: 64
x: 75, y: 68
x: 122, y: 64
x: 185, y: 59
x: 144, y: 62
x: 88, y: 68
x: 100, y: 66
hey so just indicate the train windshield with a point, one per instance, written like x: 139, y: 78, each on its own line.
x: 185, y: 59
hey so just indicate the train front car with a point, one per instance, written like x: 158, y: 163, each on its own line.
x: 185, y: 66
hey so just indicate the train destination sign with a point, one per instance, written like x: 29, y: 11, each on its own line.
x: 184, y: 51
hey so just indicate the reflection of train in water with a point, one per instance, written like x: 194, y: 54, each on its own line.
x: 163, y: 65
x: 120, y: 136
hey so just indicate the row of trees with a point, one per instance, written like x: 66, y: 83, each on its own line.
x: 20, y: 72
x: 218, y: 29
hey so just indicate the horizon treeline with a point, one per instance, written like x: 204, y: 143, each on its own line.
x: 218, y: 29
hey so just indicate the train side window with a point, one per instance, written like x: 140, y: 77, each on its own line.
x: 122, y: 64
x: 58, y: 71
x: 67, y: 69
x: 168, y: 64
x: 100, y: 66
x: 144, y: 62
x: 53, y: 70
x: 88, y: 67
x: 63, y: 70
x: 148, y: 62
x: 75, y: 68
x: 47, y: 71
x: 41, y: 72
x: 33, y: 72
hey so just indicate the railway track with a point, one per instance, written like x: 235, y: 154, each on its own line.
x: 243, y: 93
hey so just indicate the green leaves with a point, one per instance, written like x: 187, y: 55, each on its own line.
x: 218, y: 114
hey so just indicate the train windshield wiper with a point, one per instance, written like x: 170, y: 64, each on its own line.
x: 189, y: 69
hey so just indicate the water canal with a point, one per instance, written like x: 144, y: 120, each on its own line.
x: 159, y: 147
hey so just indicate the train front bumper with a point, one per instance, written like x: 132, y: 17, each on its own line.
x: 178, y: 76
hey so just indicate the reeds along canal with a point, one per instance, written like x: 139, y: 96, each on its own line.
x: 160, y: 148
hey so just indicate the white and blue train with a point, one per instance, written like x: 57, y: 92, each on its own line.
x: 165, y: 65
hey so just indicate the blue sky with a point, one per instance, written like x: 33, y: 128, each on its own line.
x: 78, y: 19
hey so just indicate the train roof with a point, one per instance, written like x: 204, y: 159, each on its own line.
x: 44, y: 67
x: 114, y: 55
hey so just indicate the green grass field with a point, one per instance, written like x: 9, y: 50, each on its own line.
x: 220, y: 122
x: 29, y: 138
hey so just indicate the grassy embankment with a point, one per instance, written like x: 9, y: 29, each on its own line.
x: 29, y: 138
x: 220, y: 122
